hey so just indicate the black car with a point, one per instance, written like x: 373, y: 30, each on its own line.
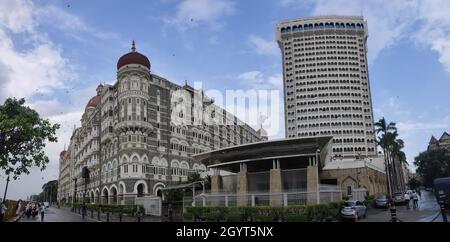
x: 442, y: 191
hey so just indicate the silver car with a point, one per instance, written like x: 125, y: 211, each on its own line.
x: 353, y: 208
x: 381, y: 201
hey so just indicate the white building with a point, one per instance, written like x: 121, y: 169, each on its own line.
x: 327, y: 93
x: 326, y: 82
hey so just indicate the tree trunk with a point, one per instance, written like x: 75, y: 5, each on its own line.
x: 386, y: 160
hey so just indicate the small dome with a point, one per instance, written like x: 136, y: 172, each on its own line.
x: 94, y: 101
x: 133, y: 57
x: 262, y: 132
x: 62, y: 153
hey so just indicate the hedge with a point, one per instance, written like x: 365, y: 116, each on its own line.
x: 293, y: 213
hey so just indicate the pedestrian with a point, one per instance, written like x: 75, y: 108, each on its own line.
x: 18, y: 207
x: 420, y: 195
x: 2, y: 211
x: 28, y: 210
x: 42, y: 211
x: 407, y: 198
x: 415, y: 200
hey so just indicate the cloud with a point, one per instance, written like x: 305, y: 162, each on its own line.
x: 411, y: 126
x: 40, y: 69
x: 194, y: 13
x: 69, y: 23
x: 423, y: 22
x: 264, y: 47
x: 37, y: 69
x: 17, y: 15
x: 259, y: 81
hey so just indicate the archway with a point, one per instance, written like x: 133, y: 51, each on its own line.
x: 97, y: 196
x: 113, y: 195
x: 105, y: 196
x: 140, y: 190
x: 121, y: 193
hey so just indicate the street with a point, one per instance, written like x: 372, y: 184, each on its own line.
x: 53, y: 214
x: 428, y: 211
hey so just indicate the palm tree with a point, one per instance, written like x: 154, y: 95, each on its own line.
x: 383, y: 127
x: 385, y: 140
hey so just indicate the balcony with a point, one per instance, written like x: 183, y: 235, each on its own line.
x: 126, y: 125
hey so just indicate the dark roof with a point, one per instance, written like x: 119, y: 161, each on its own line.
x: 433, y: 140
x: 133, y: 58
x: 444, y: 135
x: 264, y: 149
x: 62, y: 153
x: 94, y: 101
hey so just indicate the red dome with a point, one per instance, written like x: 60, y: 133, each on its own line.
x: 94, y: 101
x: 133, y: 57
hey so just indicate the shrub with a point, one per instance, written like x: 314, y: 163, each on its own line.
x: 294, y: 218
x: 264, y: 218
x: 188, y: 216
x: 233, y: 217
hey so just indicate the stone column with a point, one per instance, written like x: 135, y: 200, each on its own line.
x: 216, y: 182
x: 242, y: 186
x: 311, y: 182
x: 276, y: 185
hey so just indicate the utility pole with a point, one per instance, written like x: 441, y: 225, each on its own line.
x: 6, y: 189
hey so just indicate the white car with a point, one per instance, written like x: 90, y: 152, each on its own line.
x: 353, y: 208
x: 46, y: 204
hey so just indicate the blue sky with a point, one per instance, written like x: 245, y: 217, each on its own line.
x: 54, y: 53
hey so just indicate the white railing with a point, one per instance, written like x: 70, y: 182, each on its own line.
x: 262, y: 199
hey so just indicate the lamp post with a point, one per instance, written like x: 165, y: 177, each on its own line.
x: 74, y: 199
x: 318, y: 184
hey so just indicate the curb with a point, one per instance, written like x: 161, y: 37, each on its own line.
x: 436, y: 216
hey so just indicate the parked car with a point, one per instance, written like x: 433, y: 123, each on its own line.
x: 399, y: 198
x: 381, y: 201
x: 442, y: 191
x: 46, y: 204
x: 352, y: 208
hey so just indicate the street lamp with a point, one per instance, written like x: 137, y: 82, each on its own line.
x: 317, y: 176
x: 74, y: 199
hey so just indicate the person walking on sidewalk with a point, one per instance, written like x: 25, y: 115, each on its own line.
x: 415, y: 199
x: 407, y: 198
x: 42, y: 211
x: 2, y: 211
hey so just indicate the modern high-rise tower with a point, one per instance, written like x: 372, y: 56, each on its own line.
x: 326, y: 82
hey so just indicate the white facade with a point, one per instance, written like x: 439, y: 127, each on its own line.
x: 326, y: 82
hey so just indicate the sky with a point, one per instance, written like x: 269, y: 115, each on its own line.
x: 55, y: 52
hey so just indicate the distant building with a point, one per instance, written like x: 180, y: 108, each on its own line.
x: 442, y: 143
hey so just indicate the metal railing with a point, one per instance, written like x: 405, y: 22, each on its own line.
x: 262, y: 199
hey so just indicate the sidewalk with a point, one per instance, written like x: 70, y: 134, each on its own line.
x: 114, y: 217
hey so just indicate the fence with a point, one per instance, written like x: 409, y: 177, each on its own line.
x: 359, y: 194
x: 152, y: 205
x: 262, y: 199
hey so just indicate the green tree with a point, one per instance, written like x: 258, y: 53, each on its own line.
x: 22, y: 138
x: 433, y: 164
x: 413, y: 183
x: 387, y: 134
